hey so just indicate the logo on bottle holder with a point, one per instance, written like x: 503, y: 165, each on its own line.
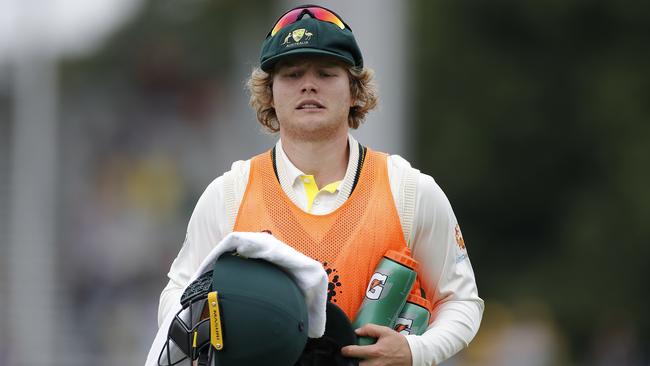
x: 376, y: 286
x: 403, y: 326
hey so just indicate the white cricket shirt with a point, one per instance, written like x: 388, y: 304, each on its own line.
x: 435, y: 240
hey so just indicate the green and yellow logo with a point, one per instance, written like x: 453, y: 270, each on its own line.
x: 297, y: 36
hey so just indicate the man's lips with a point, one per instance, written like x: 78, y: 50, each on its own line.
x: 310, y: 105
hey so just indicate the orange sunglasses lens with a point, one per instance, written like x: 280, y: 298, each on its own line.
x: 296, y: 14
x: 327, y: 16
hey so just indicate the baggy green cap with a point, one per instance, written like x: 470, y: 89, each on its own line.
x: 310, y: 36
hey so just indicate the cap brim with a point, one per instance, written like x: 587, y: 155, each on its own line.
x: 268, y: 65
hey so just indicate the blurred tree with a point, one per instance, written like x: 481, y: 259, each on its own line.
x: 175, y: 58
x: 137, y: 120
x: 534, y: 118
x: 199, y: 33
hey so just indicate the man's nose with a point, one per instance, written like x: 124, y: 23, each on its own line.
x: 309, y: 83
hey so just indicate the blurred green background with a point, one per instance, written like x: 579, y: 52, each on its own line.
x: 533, y: 117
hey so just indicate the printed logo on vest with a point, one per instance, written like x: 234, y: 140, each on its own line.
x: 376, y: 286
x: 403, y: 326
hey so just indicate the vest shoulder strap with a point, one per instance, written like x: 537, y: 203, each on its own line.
x: 229, y: 199
x: 406, y: 202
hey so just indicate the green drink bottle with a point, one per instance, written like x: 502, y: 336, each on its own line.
x: 414, y: 317
x: 387, y: 291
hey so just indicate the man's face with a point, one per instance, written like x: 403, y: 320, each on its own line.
x: 311, y: 96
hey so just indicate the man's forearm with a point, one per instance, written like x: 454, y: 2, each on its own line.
x: 455, y: 325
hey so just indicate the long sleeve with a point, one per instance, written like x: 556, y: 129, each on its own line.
x: 439, y: 247
x: 204, y: 230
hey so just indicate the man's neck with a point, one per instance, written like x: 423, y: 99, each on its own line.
x: 326, y: 160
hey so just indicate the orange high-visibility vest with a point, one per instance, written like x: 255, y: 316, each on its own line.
x: 349, y: 242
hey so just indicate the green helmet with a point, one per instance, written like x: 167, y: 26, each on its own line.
x: 243, y: 312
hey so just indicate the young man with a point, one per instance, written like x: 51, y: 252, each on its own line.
x: 326, y: 195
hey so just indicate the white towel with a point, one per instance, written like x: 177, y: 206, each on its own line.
x: 309, y: 275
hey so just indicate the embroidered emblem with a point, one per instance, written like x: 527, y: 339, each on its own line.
x: 297, y: 37
x: 459, y: 238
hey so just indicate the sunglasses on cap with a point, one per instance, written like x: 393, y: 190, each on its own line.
x: 314, y: 11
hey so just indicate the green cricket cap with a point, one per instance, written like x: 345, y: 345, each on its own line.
x: 310, y: 36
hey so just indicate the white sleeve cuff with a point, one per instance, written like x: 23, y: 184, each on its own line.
x: 454, y: 327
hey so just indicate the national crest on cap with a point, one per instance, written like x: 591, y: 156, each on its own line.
x: 310, y: 36
x: 297, y: 37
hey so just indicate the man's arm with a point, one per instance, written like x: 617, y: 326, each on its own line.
x: 439, y: 247
x: 206, y: 228
x: 447, y: 277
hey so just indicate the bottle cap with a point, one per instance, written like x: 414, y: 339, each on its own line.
x: 403, y: 257
x: 419, y: 300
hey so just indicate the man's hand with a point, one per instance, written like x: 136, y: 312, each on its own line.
x: 391, y: 348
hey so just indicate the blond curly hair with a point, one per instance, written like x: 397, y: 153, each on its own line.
x: 362, y: 89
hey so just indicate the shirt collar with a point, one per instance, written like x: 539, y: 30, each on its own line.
x: 289, y: 173
x: 286, y: 170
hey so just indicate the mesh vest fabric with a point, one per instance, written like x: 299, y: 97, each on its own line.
x: 350, y: 241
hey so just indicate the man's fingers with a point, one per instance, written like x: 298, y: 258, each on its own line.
x: 359, y: 351
x: 373, y: 330
x: 368, y: 330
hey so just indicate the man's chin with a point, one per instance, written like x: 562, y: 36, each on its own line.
x: 311, y: 131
